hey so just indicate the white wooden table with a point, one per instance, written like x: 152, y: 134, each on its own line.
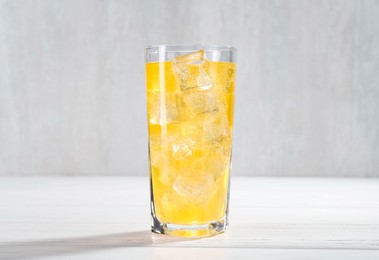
x: 109, y: 218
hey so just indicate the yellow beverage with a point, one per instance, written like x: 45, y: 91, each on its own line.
x: 190, y: 123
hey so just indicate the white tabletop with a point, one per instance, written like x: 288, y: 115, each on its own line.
x: 109, y: 218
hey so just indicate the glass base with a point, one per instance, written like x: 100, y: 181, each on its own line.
x: 192, y: 231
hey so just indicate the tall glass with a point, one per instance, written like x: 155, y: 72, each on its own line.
x: 190, y: 100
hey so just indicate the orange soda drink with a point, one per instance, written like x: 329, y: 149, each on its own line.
x: 190, y: 101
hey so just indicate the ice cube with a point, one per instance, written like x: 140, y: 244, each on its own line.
x: 171, y: 155
x: 161, y: 162
x: 216, y: 127
x: 200, y: 189
x: 203, y: 81
x: 208, y: 128
x: 190, y: 71
x: 165, y: 167
x: 162, y: 107
x: 192, y: 103
x: 182, y: 148
x: 218, y: 159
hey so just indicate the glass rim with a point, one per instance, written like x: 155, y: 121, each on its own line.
x: 189, y: 47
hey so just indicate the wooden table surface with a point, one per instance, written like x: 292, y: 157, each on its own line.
x: 109, y: 218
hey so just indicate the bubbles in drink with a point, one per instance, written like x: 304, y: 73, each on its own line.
x: 230, y: 80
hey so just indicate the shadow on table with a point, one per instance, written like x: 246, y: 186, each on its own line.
x: 66, y: 246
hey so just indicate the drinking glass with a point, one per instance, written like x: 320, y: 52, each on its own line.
x: 190, y: 101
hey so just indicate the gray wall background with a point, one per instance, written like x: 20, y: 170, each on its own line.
x: 72, y: 86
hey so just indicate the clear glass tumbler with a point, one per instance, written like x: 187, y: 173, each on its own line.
x: 190, y: 101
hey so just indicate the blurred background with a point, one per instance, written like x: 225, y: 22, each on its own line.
x: 72, y: 83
